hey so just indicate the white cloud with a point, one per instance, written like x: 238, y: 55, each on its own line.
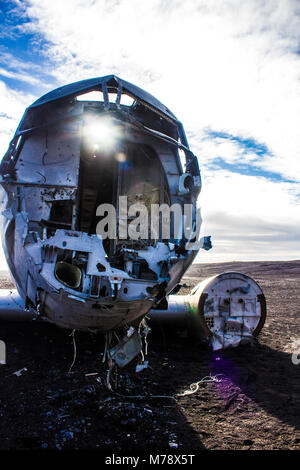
x: 250, y: 217
x: 13, y: 105
x: 24, y: 77
x: 209, y: 148
x: 227, y: 66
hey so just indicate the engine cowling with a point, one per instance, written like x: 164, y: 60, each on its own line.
x: 226, y: 310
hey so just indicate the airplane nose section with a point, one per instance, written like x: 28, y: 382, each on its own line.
x: 75, y: 312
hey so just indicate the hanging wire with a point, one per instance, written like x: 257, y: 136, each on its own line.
x: 74, y: 348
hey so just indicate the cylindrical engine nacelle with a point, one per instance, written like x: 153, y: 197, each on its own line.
x: 227, y: 309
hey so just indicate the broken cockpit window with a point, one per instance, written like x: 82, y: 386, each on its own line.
x: 125, y: 100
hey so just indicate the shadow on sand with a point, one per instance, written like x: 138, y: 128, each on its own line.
x: 267, y: 376
x: 45, y: 407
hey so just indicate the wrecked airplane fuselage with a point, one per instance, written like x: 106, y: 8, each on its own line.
x: 99, y: 216
x: 69, y: 158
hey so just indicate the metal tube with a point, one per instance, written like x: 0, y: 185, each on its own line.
x: 177, y: 312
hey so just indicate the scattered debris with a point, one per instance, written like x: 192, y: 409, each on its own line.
x: 126, y: 349
x: 140, y: 367
x: 172, y: 441
x: 20, y: 372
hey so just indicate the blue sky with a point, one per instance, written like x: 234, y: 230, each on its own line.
x: 229, y: 70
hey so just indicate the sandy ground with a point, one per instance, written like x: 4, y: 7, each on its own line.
x: 256, y: 404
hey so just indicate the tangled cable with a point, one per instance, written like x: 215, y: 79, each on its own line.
x: 194, y: 387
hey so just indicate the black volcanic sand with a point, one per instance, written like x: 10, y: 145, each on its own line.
x: 255, y: 406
